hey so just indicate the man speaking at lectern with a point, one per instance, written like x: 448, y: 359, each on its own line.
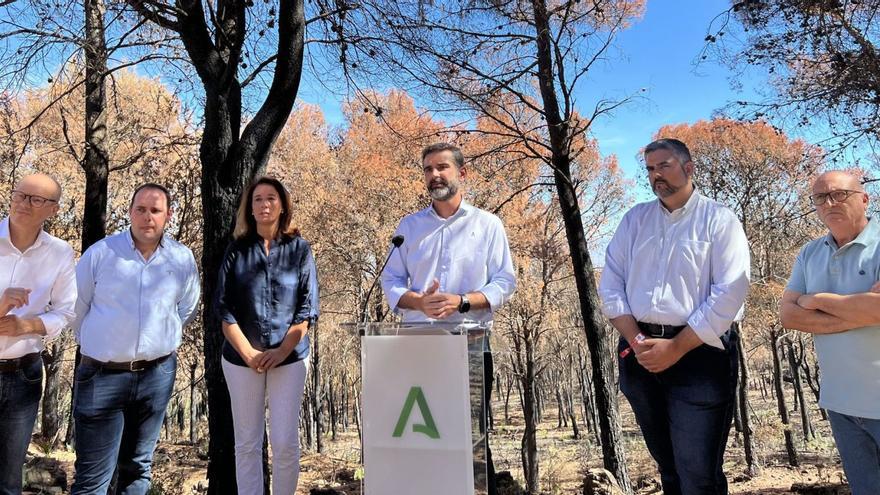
x: 454, y: 263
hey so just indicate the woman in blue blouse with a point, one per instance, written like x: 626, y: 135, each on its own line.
x: 267, y: 294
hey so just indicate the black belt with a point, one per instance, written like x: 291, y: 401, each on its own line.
x: 141, y: 365
x: 656, y: 330
x: 14, y: 364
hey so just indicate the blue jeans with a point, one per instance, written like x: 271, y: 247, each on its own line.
x: 19, y: 399
x: 118, y: 416
x: 685, y: 413
x: 858, y: 441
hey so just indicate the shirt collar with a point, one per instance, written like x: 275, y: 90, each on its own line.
x: 4, y: 234
x: 688, y: 206
x: 463, y: 210
x: 130, y: 239
x: 867, y: 236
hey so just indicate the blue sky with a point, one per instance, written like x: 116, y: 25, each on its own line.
x: 657, y: 54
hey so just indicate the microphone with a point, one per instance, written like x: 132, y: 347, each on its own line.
x: 396, y: 242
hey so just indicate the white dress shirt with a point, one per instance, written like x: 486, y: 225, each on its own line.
x: 467, y: 252
x: 132, y: 309
x: 46, y: 268
x: 690, y: 266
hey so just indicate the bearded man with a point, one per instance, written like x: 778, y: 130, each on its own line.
x: 455, y: 262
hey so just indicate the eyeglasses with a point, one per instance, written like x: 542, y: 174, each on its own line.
x: 34, y: 200
x: 839, y: 196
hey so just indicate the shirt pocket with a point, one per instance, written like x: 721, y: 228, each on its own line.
x: 285, y: 290
x: 691, y: 258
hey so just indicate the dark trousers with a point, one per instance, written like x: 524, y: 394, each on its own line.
x: 19, y: 400
x: 118, y: 416
x: 685, y: 413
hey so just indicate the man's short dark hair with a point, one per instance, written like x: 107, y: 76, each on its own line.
x: 151, y: 185
x: 674, y: 146
x: 438, y: 147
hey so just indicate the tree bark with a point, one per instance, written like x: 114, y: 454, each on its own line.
x: 795, y: 364
x: 192, y: 404
x: 753, y: 468
x: 595, y: 326
x: 316, y: 384
x: 812, y: 376
x: 96, y: 160
x: 230, y: 158
x: 780, y: 400
x: 52, y: 419
x: 529, y: 443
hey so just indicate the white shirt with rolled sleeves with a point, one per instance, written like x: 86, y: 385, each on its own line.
x: 132, y: 309
x: 47, y: 269
x: 689, y: 266
x: 467, y: 252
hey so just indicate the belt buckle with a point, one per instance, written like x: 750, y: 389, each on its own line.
x: 662, y: 330
x: 133, y: 368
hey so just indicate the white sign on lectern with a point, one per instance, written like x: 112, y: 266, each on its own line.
x: 416, y: 415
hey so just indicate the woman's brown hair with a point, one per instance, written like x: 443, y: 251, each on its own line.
x: 245, y: 224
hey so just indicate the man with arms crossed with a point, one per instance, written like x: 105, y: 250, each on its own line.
x: 830, y: 295
x: 38, y: 294
x: 137, y: 290
x: 677, y: 273
x: 455, y: 262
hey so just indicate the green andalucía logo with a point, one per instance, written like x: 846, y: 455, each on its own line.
x: 416, y: 396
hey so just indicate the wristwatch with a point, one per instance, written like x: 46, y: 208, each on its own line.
x: 465, y: 305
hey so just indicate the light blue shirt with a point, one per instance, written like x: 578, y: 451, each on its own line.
x: 130, y: 308
x: 850, y: 361
x: 467, y: 252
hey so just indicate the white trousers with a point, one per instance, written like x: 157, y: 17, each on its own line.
x: 248, y: 390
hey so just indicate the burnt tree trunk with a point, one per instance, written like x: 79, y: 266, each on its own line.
x: 795, y: 363
x: 96, y: 160
x: 595, y: 325
x: 316, y: 384
x: 529, y: 442
x: 782, y: 409
x: 812, y: 376
x: 51, y: 417
x: 569, y: 396
x: 561, y: 413
x: 192, y: 404
x: 753, y: 468
x: 230, y: 159
x: 507, y: 399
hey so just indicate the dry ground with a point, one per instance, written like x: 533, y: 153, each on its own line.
x: 180, y: 468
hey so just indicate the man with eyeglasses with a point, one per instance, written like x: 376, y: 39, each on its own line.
x: 38, y: 287
x: 833, y: 294
x: 676, y: 276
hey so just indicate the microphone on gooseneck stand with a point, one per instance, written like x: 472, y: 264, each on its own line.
x: 396, y: 241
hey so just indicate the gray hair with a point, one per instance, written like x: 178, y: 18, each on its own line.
x: 674, y: 146
x: 438, y: 147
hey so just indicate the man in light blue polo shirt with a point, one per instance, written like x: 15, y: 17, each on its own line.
x: 830, y: 295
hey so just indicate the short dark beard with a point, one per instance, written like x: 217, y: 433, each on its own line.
x: 669, y: 191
